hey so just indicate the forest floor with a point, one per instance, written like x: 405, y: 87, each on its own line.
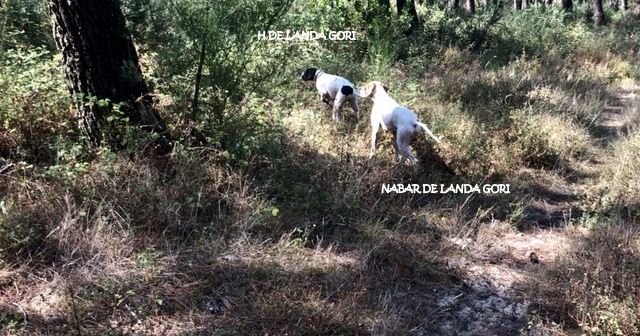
x: 500, y: 271
x: 423, y: 267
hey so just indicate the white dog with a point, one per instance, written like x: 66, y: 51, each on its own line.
x: 333, y: 87
x: 399, y: 120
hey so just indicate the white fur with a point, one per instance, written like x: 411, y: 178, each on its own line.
x: 393, y: 117
x: 329, y: 87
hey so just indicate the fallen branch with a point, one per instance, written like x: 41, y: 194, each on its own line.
x: 6, y: 167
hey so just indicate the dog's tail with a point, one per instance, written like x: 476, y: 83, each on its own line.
x: 346, y: 90
x: 426, y: 129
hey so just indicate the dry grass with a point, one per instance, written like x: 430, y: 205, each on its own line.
x: 296, y: 238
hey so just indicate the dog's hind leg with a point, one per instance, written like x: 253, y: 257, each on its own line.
x: 353, y: 100
x: 340, y: 98
x: 403, y: 141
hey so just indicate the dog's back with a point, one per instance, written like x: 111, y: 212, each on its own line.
x: 332, y: 84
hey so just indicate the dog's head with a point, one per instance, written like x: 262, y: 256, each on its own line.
x: 369, y: 89
x: 309, y: 74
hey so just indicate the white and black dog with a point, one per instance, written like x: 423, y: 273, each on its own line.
x: 333, y: 87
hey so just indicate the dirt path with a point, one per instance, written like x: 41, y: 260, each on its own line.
x: 498, y: 262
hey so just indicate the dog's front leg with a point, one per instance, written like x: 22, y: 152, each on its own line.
x: 325, y: 98
x: 374, y: 131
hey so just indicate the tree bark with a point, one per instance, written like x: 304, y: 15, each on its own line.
x: 100, y: 61
x: 400, y: 4
x: 614, y: 5
x: 470, y: 7
x: 453, y: 4
x: 196, y: 92
x: 567, y: 5
x: 624, y: 5
x: 598, y: 13
x: 517, y: 4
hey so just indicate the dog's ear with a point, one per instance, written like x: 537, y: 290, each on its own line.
x: 367, y: 89
x: 309, y: 74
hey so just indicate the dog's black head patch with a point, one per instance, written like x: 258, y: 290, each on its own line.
x: 346, y: 90
x: 309, y: 74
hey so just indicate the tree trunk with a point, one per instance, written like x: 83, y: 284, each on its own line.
x: 400, y: 4
x: 567, y: 5
x: 517, y: 4
x: 598, y: 13
x: 485, y: 4
x: 470, y: 7
x: 196, y: 92
x: 100, y: 62
x: 453, y: 4
x: 624, y: 5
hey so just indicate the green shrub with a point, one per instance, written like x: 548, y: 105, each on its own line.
x: 545, y: 140
x: 22, y: 231
x: 34, y: 107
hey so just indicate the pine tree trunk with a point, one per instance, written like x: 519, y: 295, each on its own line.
x: 195, y: 104
x: 517, y: 4
x: 100, y: 61
x: 453, y: 4
x: 624, y: 5
x: 567, y: 5
x: 470, y: 7
x: 598, y: 13
x: 400, y: 4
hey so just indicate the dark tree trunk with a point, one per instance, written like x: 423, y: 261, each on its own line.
x: 624, y: 5
x: 598, y: 13
x: 470, y: 7
x: 567, y: 5
x: 614, y: 5
x: 196, y: 92
x: 453, y: 4
x: 517, y: 4
x: 549, y: 2
x: 400, y: 5
x: 100, y: 61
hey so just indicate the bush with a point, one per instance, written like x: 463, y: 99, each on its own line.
x: 542, y: 140
x: 22, y: 232
x: 34, y: 107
